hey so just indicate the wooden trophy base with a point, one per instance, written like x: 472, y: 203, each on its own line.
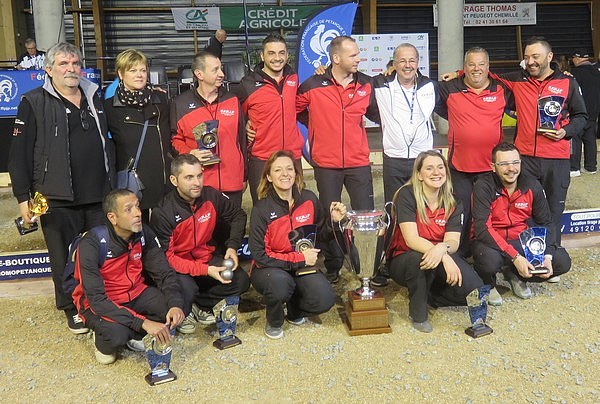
x: 366, y: 316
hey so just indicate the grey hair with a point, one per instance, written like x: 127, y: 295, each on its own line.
x: 61, y: 48
x: 406, y: 45
x: 477, y: 49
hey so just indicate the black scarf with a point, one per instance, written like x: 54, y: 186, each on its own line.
x: 135, y: 98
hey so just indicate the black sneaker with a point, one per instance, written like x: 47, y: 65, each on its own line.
x: 75, y: 323
x: 380, y: 280
x: 333, y: 277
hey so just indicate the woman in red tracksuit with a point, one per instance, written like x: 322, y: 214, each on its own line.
x: 281, y: 274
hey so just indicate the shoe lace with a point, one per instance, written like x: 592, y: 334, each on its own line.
x: 77, y: 319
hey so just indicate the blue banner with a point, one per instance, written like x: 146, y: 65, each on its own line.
x: 313, y: 44
x: 583, y: 221
x: 15, y: 83
x: 35, y: 264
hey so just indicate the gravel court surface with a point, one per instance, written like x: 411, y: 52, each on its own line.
x: 542, y: 350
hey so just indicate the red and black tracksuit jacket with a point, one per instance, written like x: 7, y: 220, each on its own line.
x: 475, y: 123
x: 527, y: 91
x: 336, y: 130
x: 120, y: 279
x: 186, y: 231
x: 271, y: 107
x: 498, y: 217
x: 271, y: 222
x: 189, y: 110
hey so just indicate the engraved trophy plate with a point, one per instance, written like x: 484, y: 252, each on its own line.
x: 549, y: 109
x: 226, y: 312
x: 206, y: 135
x: 38, y: 206
x: 159, y: 359
x: 303, y: 238
x: 478, y: 306
x: 533, y: 241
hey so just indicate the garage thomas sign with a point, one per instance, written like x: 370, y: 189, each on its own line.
x: 232, y: 18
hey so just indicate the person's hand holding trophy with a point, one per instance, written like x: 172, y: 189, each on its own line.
x: 30, y: 211
x: 206, y: 135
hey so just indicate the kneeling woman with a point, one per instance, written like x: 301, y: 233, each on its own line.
x: 425, y: 241
x: 284, y: 206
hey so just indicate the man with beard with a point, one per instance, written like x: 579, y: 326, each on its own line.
x: 61, y: 150
x: 115, y: 299
x: 550, y: 111
x: 505, y: 202
x: 185, y: 222
x: 268, y: 97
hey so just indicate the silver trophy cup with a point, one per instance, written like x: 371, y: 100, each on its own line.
x: 361, y: 232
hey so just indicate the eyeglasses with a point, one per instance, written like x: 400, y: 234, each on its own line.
x: 85, y: 123
x: 508, y: 163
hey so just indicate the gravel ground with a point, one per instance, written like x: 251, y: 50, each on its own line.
x: 542, y: 350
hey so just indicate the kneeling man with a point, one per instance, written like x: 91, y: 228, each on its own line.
x: 185, y: 222
x: 113, y: 298
x: 505, y: 203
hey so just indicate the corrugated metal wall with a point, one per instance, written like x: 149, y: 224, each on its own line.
x: 153, y: 32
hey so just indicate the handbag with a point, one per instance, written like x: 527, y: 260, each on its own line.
x: 128, y: 178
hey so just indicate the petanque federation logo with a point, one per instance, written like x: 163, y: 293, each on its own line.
x: 8, y: 88
x: 321, y: 33
x: 552, y: 108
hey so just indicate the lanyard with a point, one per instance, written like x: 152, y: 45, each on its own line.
x: 411, y: 104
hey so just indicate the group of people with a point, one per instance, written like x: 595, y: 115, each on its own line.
x: 164, y: 261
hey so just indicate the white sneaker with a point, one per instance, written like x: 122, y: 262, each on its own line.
x: 494, y: 298
x: 188, y: 325
x: 203, y: 317
x: 136, y: 345
x: 519, y: 287
x: 554, y: 279
x: 575, y: 173
x: 100, y: 357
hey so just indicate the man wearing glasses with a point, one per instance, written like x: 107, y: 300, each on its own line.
x: 505, y: 203
x: 61, y: 150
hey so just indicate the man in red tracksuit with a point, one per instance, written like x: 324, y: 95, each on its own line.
x: 506, y: 202
x: 474, y: 106
x: 337, y: 102
x: 268, y: 97
x: 550, y: 111
x: 185, y: 222
x: 205, y: 108
x: 116, y: 300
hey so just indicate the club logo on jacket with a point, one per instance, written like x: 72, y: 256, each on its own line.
x: 440, y: 222
x: 258, y: 84
x: 555, y: 90
x: 273, y: 215
x: 109, y: 254
x: 489, y: 98
x: 362, y: 93
x: 303, y: 218
x: 227, y: 112
x: 521, y: 205
x: 291, y: 83
x: 137, y: 256
x: 192, y: 105
x: 324, y: 83
x: 204, y: 218
x: 177, y: 218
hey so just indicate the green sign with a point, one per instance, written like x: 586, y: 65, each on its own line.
x: 260, y: 18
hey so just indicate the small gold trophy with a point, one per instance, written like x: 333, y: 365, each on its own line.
x: 38, y: 206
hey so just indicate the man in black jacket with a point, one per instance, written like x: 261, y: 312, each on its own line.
x: 61, y: 150
x: 588, y: 77
x: 114, y: 298
x: 185, y: 222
